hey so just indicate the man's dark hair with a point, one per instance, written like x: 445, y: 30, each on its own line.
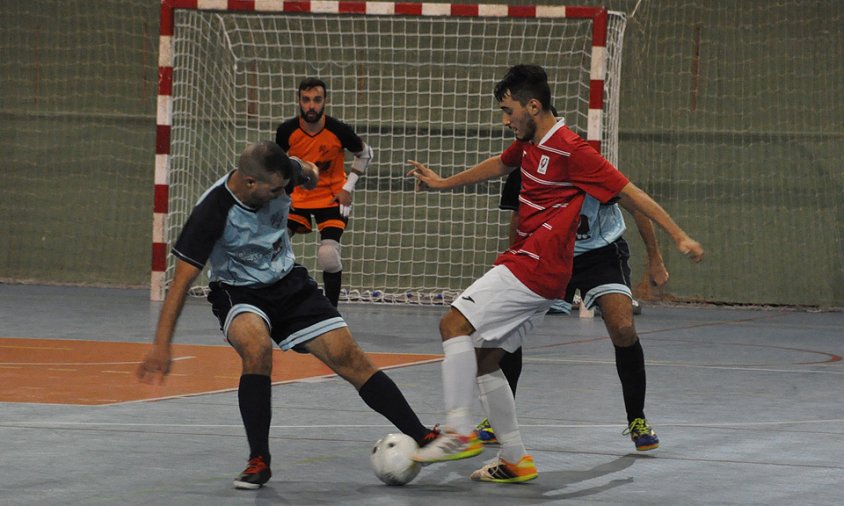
x: 265, y: 157
x: 312, y: 82
x: 523, y: 83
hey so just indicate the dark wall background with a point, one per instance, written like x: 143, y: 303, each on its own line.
x: 731, y: 117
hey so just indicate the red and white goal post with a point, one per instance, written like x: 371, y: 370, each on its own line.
x: 415, y: 80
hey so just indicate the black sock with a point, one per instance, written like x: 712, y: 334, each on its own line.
x: 254, y: 396
x: 331, y: 282
x: 630, y: 364
x: 511, y: 366
x: 382, y: 395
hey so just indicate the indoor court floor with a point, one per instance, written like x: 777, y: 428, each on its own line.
x: 747, y: 404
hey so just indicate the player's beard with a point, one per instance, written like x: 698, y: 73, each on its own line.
x: 311, y: 116
x: 529, y: 130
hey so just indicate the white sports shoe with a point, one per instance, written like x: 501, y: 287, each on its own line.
x: 449, y: 445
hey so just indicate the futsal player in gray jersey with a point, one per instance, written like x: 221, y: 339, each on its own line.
x: 260, y: 295
x: 602, y: 274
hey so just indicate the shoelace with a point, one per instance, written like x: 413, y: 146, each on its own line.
x: 255, y: 465
x: 433, y: 434
x: 451, y: 444
x: 637, y: 426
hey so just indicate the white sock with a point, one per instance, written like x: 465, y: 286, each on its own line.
x: 459, y: 370
x: 497, y: 399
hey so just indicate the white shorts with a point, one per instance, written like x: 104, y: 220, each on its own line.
x: 501, y: 308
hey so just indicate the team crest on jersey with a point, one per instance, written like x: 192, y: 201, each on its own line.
x: 543, y: 164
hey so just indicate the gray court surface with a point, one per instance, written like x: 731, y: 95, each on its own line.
x: 747, y: 404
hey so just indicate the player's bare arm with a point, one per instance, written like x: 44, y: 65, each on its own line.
x: 657, y: 273
x: 427, y: 179
x: 156, y: 365
x: 359, y: 165
x: 633, y: 199
x: 344, y: 196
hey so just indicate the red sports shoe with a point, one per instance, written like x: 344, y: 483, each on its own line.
x: 255, y: 475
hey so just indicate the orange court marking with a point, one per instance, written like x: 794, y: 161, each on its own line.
x: 57, y: 371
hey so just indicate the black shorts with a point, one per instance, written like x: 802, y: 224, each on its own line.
x: 294, y: 308
x: 599, y: 272
x: 329, y: 221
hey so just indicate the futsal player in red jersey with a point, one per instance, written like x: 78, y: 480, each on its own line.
x: 495, y: 313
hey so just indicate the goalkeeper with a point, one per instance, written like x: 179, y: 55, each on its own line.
x: 315, y: 137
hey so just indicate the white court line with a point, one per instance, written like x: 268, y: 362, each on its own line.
x: 693, y: 424
x: 651, y: 363
x: 376, y: 426
x: 2, y: 364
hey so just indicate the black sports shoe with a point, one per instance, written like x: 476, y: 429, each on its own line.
x: 430, y: 436
x: 255, y: 475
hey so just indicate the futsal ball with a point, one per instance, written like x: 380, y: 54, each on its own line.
x: 390, y: 459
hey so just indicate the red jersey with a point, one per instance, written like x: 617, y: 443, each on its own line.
x: 556, y: 175
x: 326, y: 151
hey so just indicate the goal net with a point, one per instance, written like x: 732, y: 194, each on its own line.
x: 414, y: 80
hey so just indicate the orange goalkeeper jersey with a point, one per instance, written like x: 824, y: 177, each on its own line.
x: 326, y: 151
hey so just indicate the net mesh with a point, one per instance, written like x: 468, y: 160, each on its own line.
x: 413, y: 88
x: 75, y: 140
x: 738, y: 133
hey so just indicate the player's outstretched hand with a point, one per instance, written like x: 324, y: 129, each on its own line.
x: 426, y: 179
x: 691, y: 249
x: 155, y: 365
x: 344, y: 198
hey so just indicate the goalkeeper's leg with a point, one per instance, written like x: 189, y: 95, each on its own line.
x: 328, y: 259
